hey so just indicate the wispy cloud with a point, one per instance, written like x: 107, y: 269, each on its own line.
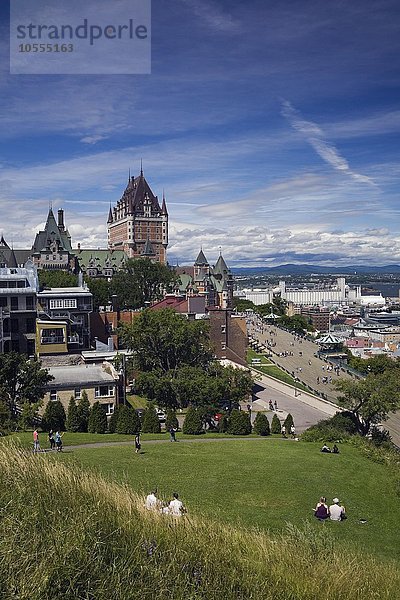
x: 316, y: 138
x: 211, y: 14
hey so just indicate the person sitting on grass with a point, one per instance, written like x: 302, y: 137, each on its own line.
x: 336, y: 511
x: 152, y: 501
x: 325, y: 448
x: 321, y: 511
x: 335, y: 449
x: 176, y: 507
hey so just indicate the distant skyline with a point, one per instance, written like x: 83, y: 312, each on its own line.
x: 273, y: 128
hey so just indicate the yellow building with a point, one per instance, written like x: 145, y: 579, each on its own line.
x: 51, y: 337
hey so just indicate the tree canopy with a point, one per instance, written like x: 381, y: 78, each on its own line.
x: 140, y: 281
x: 21, y: 380
x: 56, y: 278
x: 370, y: 400
x: 100, y: 288
x: 162, y: 340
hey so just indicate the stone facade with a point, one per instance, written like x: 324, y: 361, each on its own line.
x: 137, y: 224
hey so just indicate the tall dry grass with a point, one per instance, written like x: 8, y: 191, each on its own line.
x: 68, y: 534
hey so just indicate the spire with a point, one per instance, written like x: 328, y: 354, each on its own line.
x: 129, y: 175
x: 141, y: 167
x: 148, y: 249
x: 3, y: 243
x: 110, y: 215
x: 12, y: 261
x: 164, y: 205
x: 201, y: 259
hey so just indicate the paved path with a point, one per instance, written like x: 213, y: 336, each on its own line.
x: 304, y: 365
x: 305, y: 409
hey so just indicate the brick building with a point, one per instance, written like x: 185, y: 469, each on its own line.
x: 137, y: 224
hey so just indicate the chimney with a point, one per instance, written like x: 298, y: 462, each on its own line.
x: 61, y: 219
x: 110, y: 344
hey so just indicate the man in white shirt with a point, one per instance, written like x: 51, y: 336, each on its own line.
x: 336, y: 511
x: 176, y: 507
x: 152, y: 501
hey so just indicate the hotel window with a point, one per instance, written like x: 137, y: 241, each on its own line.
x: 53, y: 395
x: 14, y: 303
x: 78, y: 393
x: 109, y: 408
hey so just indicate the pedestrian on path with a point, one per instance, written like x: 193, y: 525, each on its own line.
x: 172, y: 437
x: 137, y: 443
x: 276, y: 405
x: 58, y: 440
x: 51, y: 440
x: 36, y: 444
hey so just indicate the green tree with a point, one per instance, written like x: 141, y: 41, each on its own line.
x: 239, y: 422
x: 128, y: 420
x: 53, y: 416
x: 241, y: 305
x: 4, y: 418
x: 288, y: 422
x: 171, y: 420
x: 223, y: 424
x: 97, y: 419
x: 193, y: 423
x: 164, y: 340
x: 56, y: 279
x: 72, y: 422
x: 370, y: 400
x: 83, y: 409
x: 21, y: 380
x: 151, y: 422
x: 29, y: 415
x: 261, y: 424
x: 112, y: 423
x: 140, y: 281
x: 100, y: 288
x: 276, y: 424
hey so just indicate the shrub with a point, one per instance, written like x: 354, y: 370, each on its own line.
x: 338, y: 428
x: 239, y: 423
x: 83, y: 412
x: 171, y: 420
x: 128, y: 420
x: 288, y: 422
x: 193, y: 423
x: 54, y: 416
x: 151, y: 423
x: 223, y: 424
x: 72, y: 423
x: 112, y: 423
x: 276, y: 424
x: 97, y: 419
x: 29, y: 415
x: 261, y: 424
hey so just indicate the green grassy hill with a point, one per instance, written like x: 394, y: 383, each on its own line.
x: 68, y: 533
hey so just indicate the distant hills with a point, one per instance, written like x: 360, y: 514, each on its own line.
x: 293, y: 269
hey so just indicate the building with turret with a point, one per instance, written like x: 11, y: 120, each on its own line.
x: 137, y: 224
x: 52, y: 247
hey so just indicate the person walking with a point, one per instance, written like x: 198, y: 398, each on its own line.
x: 172, y: 436
x: 293, y: 431
x: 51, y: 440
x: 58, y: 440
x: 36, y: 443
x: 137, y: 443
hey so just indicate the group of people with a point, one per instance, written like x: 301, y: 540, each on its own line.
x: 55, y: 440
x: 335, y: 449
x: 174, y: 507
x: 334, y: 512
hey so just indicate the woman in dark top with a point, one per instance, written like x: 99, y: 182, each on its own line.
x: 321, y: 511
x: 137, y: 443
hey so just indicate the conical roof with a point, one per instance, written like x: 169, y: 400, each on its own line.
x: 201, y: 259
x: 221, y: 266
x: 12, y: 261
x: 148, y: 249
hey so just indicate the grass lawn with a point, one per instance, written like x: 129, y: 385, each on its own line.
x: 263, y: 483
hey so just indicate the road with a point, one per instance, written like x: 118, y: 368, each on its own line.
x: 304, y: 365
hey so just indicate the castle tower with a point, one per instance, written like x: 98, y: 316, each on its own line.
x: 138, y: 222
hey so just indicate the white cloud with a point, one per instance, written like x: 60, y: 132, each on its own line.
x: 315, y: 137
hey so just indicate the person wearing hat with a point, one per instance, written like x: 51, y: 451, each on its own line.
x: 336, y: 511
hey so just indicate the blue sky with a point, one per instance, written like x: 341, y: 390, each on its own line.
x: 273, y: 127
